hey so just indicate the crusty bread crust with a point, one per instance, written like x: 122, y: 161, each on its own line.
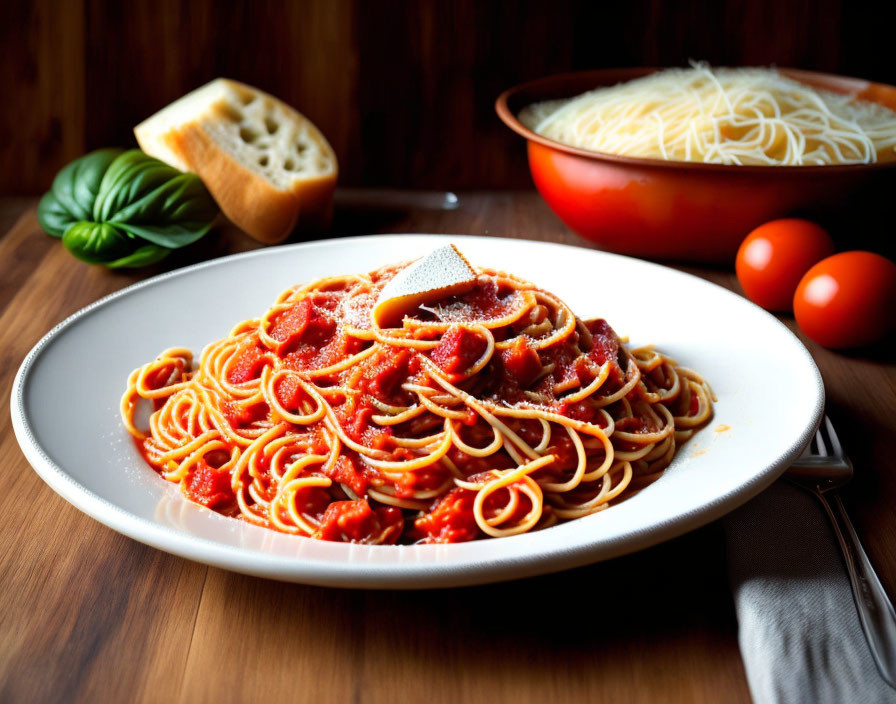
x: 245, y: 194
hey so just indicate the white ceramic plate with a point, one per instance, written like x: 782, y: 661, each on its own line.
x: 65, y: 408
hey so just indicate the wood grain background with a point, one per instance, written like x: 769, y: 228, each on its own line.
x: 402, y: 89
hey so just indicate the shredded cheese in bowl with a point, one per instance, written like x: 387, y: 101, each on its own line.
x: 738, y: 116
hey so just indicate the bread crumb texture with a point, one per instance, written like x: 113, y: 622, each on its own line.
x: 260, y: 132
x: 268, y: 137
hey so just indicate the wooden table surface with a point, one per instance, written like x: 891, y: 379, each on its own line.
x: 88, y: 615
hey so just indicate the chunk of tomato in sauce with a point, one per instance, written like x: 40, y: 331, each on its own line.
x: 450, y: 520
x: 357, y: 522
x: 301, y: 323
x: 388, y: 373
x: 350, y: 472
x: 605, y: 341
x: 427, y: 479
x: 584, y: 411
x: 209, y: 487
x: 360, y: 428
x: 248, y: 361
x: 521, y: 362
x: 489, y: 299
x: 458, y: 350
x: 292, y: 396
x: 605, y: 347
x: 243, y: 416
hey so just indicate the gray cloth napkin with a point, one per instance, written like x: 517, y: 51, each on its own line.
x: 799, y: 631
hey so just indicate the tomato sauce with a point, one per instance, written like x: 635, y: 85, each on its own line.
x: 449, y: 521
x: 421, y: 480
x: 292, y: 396
x: 303, y: 322
x: 352, y: 472
x: 357, y: 522
x: 384, y: 373
x: 243, y: 416
x: 248, y: 361
x: 470, y: 466
x: 637, y: 426
x: 209, y: 487
x: 496, y: 502
x: 312, y: 501
x: 458, y: 350
x: 488, y: 300
x: 521, y: 362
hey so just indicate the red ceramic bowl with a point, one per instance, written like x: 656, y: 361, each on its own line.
x: 680, y: 210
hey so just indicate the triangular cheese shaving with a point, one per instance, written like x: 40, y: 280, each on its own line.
x: 441, y: 273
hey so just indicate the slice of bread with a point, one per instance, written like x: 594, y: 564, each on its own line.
x: 268, y: 167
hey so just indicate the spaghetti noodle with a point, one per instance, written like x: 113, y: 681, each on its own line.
x: 489, y: 413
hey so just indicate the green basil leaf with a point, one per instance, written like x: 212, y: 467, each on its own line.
x: 143, y: 256
x: 171, y: 236
x: 53, y: 216
x: 125, y: 209
x: 149, y: 199
x: 73, y: 193
x: 96, y: 242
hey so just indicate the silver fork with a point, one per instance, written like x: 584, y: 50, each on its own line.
x: 822, y: 469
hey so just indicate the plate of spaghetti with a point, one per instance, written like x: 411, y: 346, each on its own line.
x: 480, y: 409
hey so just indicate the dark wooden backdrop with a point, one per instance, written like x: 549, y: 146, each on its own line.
x: 402, y: 89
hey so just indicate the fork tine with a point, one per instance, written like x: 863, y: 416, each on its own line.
x: 832, y: 437
x: 820, y: 448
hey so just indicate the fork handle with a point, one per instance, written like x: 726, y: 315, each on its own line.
x: 875, y: 609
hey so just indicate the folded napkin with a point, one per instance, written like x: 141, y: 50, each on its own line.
x: 799, y: 631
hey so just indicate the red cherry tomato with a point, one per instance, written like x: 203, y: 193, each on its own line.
x: 847, y: 300
x: 773, y: 258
